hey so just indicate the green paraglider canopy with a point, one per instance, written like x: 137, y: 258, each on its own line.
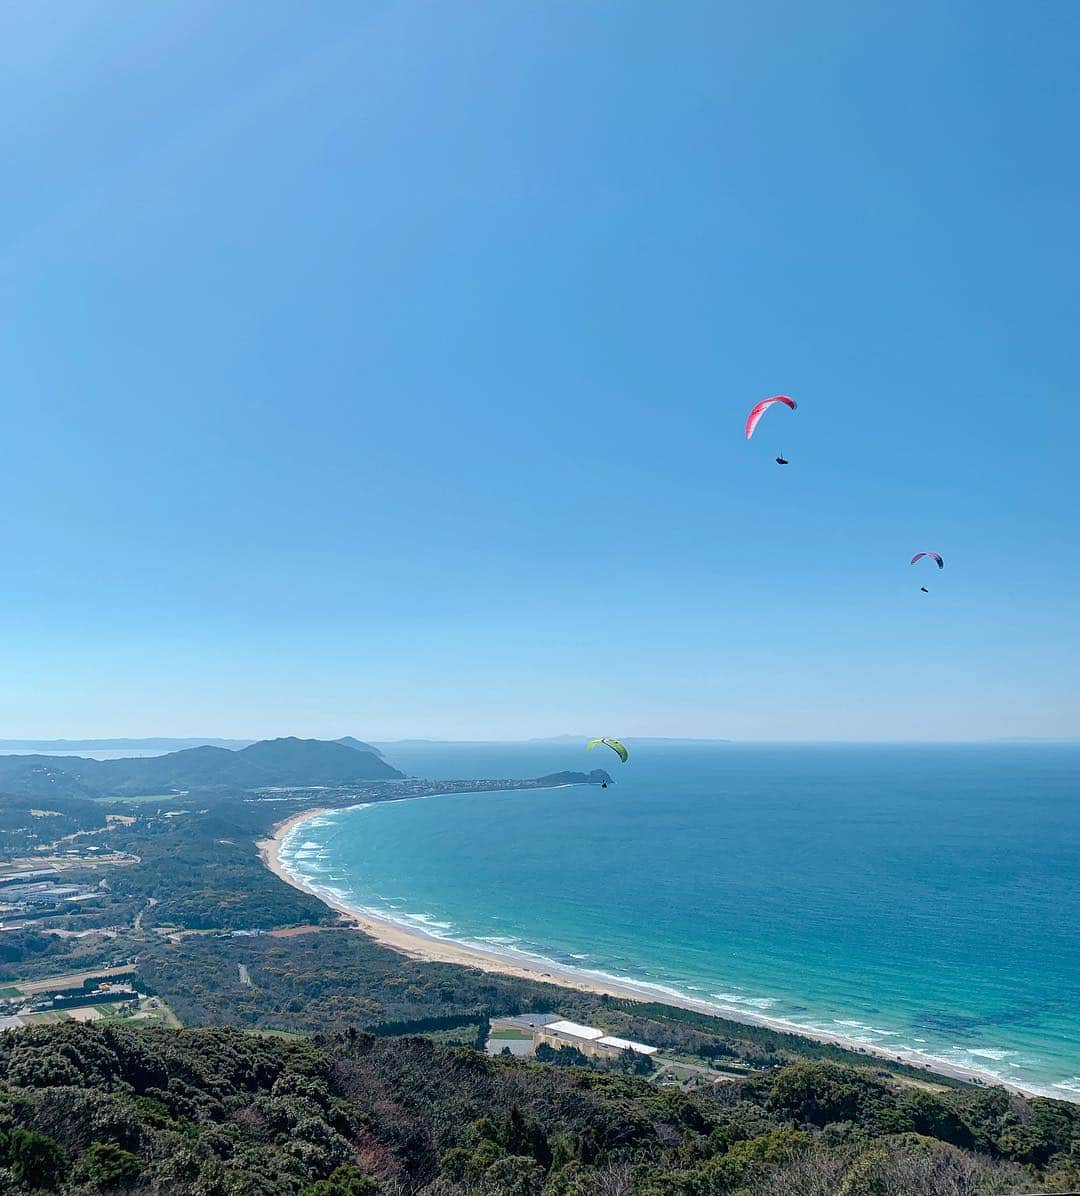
x: 618, y: 748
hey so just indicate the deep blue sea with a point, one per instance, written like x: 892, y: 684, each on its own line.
x: 919, y: 899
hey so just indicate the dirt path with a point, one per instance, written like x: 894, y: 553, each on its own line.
x: 150, y: 903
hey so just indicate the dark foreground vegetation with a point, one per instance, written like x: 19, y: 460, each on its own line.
x: 85, y: 1109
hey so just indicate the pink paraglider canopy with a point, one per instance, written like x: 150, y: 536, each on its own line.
x: 934, y: 556
x: 759, y: 410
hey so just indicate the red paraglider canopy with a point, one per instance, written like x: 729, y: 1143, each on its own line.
x: 934, y: 556
x: 759, y: 410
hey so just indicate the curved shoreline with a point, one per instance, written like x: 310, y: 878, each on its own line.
x: 414, y: 943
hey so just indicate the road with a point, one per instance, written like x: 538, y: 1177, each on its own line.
x: 150, y: 902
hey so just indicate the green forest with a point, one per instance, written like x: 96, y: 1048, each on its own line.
x: 212, y: 1112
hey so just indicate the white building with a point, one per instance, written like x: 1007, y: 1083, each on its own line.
x: 588, y: 1040
x: 624, y: 1044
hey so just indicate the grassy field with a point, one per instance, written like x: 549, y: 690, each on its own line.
x: 151, y: 1012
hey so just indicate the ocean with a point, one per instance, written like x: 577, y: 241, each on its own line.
x: 923, y: 900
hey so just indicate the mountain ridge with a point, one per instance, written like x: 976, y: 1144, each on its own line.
x: 286, y: 762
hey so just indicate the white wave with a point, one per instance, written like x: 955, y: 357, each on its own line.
x: 995, y: 1056
x: 864, y: 1027
x: 752, y: 1002
x: 428, y: 920
x: 310, y: 845
x: 331, y: 894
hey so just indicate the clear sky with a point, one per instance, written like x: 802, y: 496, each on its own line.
x: 380, y: 368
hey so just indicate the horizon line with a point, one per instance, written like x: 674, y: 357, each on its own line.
x: 552, y: 740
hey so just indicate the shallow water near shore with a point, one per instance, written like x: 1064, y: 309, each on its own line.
x: 921, y: 900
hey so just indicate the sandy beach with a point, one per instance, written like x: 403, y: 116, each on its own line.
x: 426, y: 947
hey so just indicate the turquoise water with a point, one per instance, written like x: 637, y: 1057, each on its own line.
x: 923, y: 900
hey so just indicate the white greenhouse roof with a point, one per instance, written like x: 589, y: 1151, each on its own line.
x: 574, y: 1030
x: 624, y: 1044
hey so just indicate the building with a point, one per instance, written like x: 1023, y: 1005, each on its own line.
x: 563, y: 1033
x: 593, y: 1043
x: 39, y: 893
x: 34, y: 874
x: 614, y: 1044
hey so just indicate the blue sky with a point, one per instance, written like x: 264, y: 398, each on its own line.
x: 381, y: 368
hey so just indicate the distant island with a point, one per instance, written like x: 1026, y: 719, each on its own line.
x: 555, y: 739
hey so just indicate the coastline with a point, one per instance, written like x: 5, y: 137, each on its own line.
x: 432, y: 949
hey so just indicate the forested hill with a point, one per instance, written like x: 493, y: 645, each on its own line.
x: 90, y: 1110
x: 273, y: 762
